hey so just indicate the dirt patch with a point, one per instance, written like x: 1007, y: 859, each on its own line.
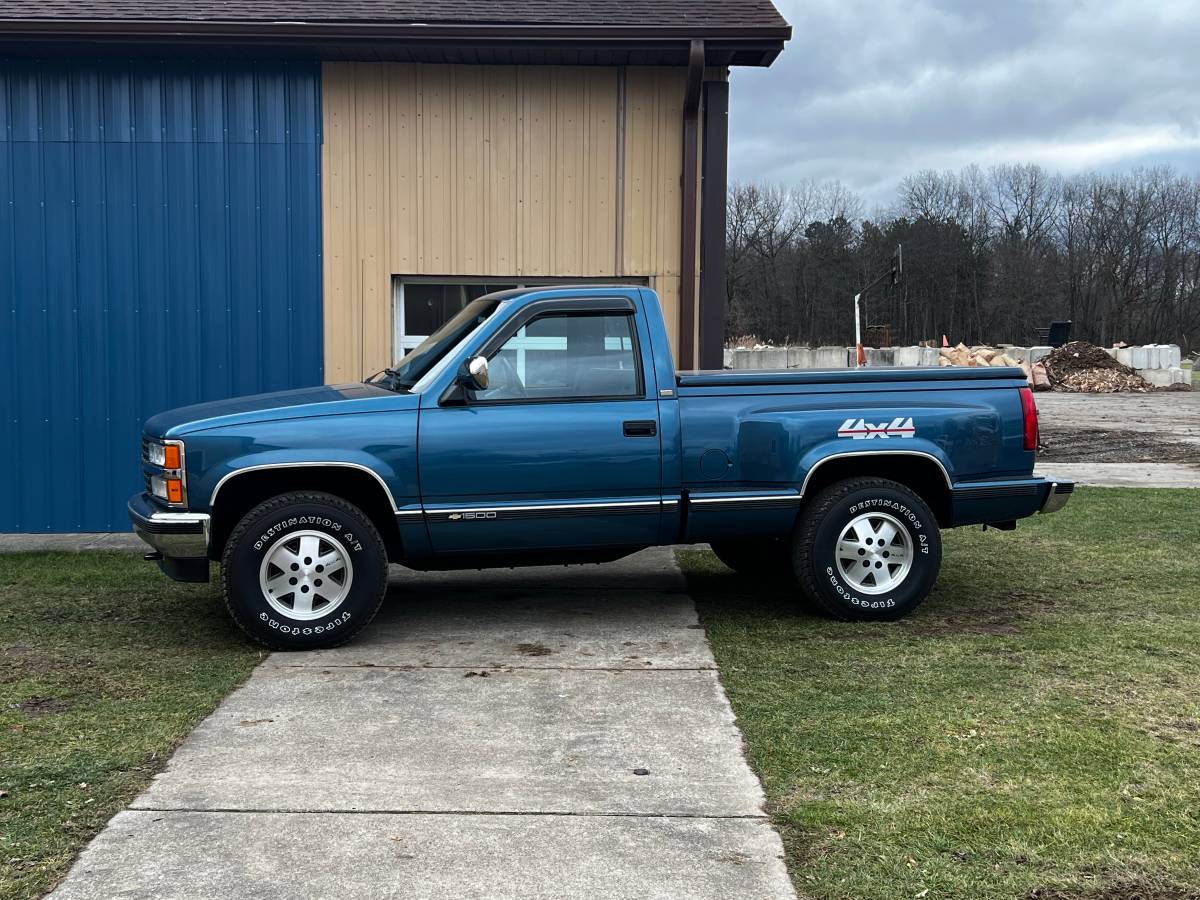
x: 533, y: 650
x: 18, y: 661
x: 1004, y: 617
x: 1070, y: 445
x: 35, y: 707
x: 1123, y: 890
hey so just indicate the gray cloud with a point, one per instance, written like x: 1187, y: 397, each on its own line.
x: 868, y: 92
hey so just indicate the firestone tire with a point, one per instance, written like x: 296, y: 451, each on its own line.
x: 764, y: 558
x: 867, y: 549
x: 304, y: 571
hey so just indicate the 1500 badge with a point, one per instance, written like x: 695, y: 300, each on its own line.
x: 862, y: 430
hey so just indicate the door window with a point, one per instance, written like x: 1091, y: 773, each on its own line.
x: 567, y: 357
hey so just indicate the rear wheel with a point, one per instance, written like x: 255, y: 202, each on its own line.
x: 304, y: 571
x: 867, y: 548
x: 764, y: 558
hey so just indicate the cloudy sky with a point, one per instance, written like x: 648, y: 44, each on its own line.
x: 866, y: 92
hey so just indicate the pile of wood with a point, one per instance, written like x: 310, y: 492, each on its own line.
x: 1077, y: 367
x: 1080, y: 367
x: 962, y: 355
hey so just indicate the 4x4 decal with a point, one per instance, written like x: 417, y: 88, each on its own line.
x: 861, y: 429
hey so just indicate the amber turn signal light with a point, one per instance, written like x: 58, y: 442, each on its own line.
x: 174, y: 489
x: 171, y: 458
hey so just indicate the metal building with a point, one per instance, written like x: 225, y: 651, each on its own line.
x: 221, y: 197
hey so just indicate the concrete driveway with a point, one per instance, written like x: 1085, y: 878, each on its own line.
x: 539, y: 733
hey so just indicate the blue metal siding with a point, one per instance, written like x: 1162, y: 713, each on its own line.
x: 160, y: 244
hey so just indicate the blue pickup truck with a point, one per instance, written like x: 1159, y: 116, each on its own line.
x: 550, y: 426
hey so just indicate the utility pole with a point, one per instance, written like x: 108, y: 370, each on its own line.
x: 894, y: 271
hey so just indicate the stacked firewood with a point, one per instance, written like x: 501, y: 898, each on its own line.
x: 962, y: 355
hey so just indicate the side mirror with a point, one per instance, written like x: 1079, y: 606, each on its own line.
x: 475, y: 373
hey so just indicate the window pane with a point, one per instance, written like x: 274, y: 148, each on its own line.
x: 427, y: 307
x: 566, y: 356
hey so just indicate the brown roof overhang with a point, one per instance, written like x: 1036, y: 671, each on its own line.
x: 330, y: 39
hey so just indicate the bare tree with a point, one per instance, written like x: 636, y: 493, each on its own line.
x: 989, y: 256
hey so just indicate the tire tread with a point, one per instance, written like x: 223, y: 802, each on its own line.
x: 810, y: 520
x: 283, y: 500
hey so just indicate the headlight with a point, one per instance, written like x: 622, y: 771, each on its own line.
x: 169, y: 484
x: 169, y: 489
x: 169, y: 456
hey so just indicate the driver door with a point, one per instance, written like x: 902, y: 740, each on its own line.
x: 562, y: 450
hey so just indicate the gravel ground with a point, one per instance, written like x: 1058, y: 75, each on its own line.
x: 1136, y: 428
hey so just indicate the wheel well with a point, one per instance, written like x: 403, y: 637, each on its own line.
x: 242, y: 493
x: 918, y: 473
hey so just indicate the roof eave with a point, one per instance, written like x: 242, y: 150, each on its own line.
x: 742, y: 45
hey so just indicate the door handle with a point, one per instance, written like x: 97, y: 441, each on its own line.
x: 640, y: 428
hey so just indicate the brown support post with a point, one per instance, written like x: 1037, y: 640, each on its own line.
x: 713, y: 189
x: 687, y: 250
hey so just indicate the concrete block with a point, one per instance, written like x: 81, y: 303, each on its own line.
x: 1036, y: 353
x: 727, y: 358
x: 908, y: 356
x: 1165, y: 377
x: 930, y: 356
x: 880, y: 356
x: 1173, y: 356
x: 1155, y: 357
x: 831, y: 357
x: 1020, y: 354
x: 800, y: 357
x: 774, y: 358
x: 1111, y: 351
x: 741, y: 359
x: 1134, y: 357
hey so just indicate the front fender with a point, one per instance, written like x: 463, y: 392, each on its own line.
x: 384, y: 445
x: 217, y: 477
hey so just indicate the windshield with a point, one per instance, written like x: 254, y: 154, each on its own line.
x: 429, y: 352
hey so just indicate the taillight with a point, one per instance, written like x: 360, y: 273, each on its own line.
x: 1030, y: 415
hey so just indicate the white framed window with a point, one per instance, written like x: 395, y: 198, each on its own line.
x: 421, y: 304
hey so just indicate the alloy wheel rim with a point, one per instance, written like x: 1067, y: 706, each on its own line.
x: 874, y: 553
x: 306, y: 575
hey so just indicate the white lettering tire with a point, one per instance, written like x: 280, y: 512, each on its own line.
x: 867, y: 549
x: 304, y: 571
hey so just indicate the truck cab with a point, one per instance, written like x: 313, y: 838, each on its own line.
x: 549, y: 425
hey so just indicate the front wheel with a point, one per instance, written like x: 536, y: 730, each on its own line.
x: 304, y: 571
x: 867, y: 548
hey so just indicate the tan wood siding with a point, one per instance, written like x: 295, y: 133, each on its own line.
x: 490, y: 171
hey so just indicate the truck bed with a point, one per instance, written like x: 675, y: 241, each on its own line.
x: 889, y: 374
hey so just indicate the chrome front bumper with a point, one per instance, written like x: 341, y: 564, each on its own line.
x: 1058, y: 495
x: 179, y: 539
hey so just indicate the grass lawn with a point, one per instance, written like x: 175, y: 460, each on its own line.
x: 105, y: 666
x: 1033, y: 730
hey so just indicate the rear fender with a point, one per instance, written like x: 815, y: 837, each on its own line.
x: 824, y: 453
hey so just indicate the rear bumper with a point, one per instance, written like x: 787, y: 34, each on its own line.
x: 1005, y: 501
x: 1058, y: 495
x: 179, y: 539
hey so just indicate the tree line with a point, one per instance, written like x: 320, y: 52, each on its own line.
x: 988, y: 256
